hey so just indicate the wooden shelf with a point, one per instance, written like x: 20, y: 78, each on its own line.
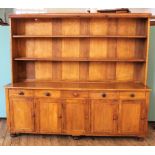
x: 79, y: 59
x: 80, y: 15
x: 79, y: 85
x: 80, y: 36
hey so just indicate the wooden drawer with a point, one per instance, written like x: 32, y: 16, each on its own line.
x: 132, y: 95
x: 47, y: 93
x: 20, y: 93
x: 103, y: 95
x: 74, y: 94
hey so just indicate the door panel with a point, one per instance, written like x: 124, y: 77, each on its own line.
x: 104, y: 116
x: 49, y: 115
x: 131, y: 114
x: 22, y: 114
x: 75, y: 114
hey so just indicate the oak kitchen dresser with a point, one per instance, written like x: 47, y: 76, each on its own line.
x: 79, y: 74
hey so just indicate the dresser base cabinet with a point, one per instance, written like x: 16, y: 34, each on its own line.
x: 119, y: 114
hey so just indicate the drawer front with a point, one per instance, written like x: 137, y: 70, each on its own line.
x: 74, y: 94
x: 104, y: 95
x: 132, y: 95
x: 47, y: 93
x: 21, y: 93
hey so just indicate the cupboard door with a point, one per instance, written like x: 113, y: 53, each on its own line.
x: 22, y: 114
x: 104, y: 116
x: 48, y: 115
x: 75, y: 114
x: 131, y: 116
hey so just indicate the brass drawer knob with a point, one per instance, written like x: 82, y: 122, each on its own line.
x: 104, y: 95
x: 75, y: 94
x: 47, y: 94
x: 132, y: 95
x: 21, y: 93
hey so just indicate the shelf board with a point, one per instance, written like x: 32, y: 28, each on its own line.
x: 81, y: 15
x: 80, y: 59
x: 80, y: 85
x: 80, y: 36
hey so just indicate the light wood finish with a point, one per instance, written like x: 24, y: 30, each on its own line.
x: 7, y: 108
x: 75, y: 117
x: 124, y: 86
x: 79, y: 74
x: 74, y: 94
x: 78, y: 15
x: 104, y: 116
x: 89, y: 40
x: 80, y: 36
x: 47, y: 93
x: 79, y: 59
x: 22, y: 114
x: 132, y: 109
x: 20, y: 93
x: 103, y: 95
x: 49, y: 115
x: 132, y: 95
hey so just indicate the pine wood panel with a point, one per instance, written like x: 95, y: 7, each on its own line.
x: 56, y: 26
x: 34, y: 26
x: 98, y: 48
x: 30, y: 71
x: 131, y: 116
x: 70, y: 71
x: 48, y: 113
x: 104, y: 116
x: 70, y: 48
x: 124, y: 28
x: 98, y: 26
x: 124, y: 71
x: 43, y: 71
x: 146, y: 49
x: 70, y: 26
x: 57, y: 53
x: 22, y: 114
x: 75, y: 114
x: 126, y: 48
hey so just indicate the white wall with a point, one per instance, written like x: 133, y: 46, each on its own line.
x: 60, y: 10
